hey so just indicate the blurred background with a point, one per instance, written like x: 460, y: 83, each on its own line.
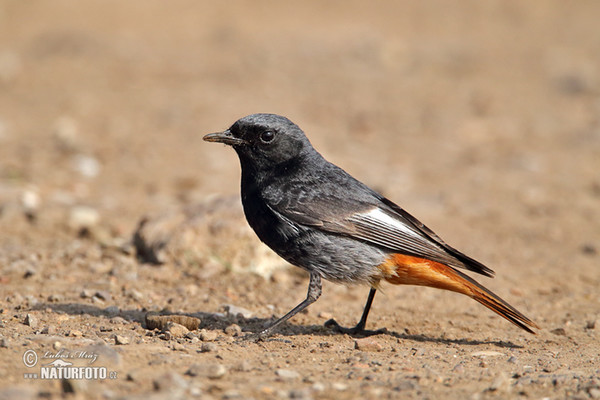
x: 489, y: 109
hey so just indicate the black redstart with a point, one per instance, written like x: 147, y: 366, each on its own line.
x: 319, y: 218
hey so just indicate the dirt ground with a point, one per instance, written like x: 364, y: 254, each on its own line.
x: 481, y: 118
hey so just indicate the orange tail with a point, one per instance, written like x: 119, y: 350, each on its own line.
x: 401, y: 269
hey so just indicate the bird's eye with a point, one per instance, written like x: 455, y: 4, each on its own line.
x: 267, y: 136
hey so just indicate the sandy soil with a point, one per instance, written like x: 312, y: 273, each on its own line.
x: 482, y: 118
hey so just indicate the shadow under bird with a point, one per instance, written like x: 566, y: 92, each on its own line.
x: 319, y: 218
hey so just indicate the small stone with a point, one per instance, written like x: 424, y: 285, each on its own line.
x: 4, y: 343
x: 287, y: 374
x: 318, y: 387
x: 244, y: 366
x: 87, y: 166
x: 31, y: 321
x: 30, y: 200
x: 176, y: 330
x: 86, y: 293
x: 117, y: 320
x: 208, y: 347
x: 594, y: 393
x: 339, y: 386
x: 233, y: 330
x: 367, y: 344
x: 559, y: 331
x: 48, y: 330
x: 325, y: 315
x: 501, y: 383
x: 135, y: 295
x: 234, y: 311
x: 55, y: 298
x: 121, y: 340
x: 592, y: 324
x: 29, y: 272
x: 83, y: 218
x: 75, y: 333
x: 208, y: 336
x: 134, y: 375
x: 103, y: 295
x: 178, y: 346
x: 211, y: 371
x: 56, y: 345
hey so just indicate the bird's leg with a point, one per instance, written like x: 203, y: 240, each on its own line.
x: 314, y: 292
x: 359, y: 329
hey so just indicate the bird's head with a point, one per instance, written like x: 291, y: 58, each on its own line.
x: 264, y: 141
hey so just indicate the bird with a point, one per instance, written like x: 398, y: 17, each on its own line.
x: 318, y: 217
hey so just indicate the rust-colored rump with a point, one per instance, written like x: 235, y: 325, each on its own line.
x: 401, y: 269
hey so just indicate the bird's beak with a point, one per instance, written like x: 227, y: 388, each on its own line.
x: 224, y: 137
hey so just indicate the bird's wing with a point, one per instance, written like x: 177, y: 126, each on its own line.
x: 358, y: 212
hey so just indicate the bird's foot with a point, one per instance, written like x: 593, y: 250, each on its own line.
x: 358, y: 330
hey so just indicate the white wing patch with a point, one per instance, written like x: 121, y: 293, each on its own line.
x: 379, y: 217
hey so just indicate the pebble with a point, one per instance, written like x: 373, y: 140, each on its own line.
x: 87, y: 166
x: 103, y: 295
x: 339, y: 386
x: 135, y: 294
x: 86, y: 293
x: 48, y: 330
x: 208, y: 347
x: 244, y: 366
x: 31, y: 321
x: 501, y: 383
x: 55, y: 298
x: 118, y: 320
x: 318, y: 387
x: 592, y: 324
x: 178, y: 346
x: 83, y: 217
x: 75, y: 333
x: 208, y: 336
x: 30, y: 200
x: 287, y: 374
x: 233, y: 330
x: 234, y: 311
x: 594, y: 393
x: 211, y: 371
x: 367, y: 344
x: 559, y: 331
x: 119, y: 339
x: 176, y: 330
x: 4, y: 343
